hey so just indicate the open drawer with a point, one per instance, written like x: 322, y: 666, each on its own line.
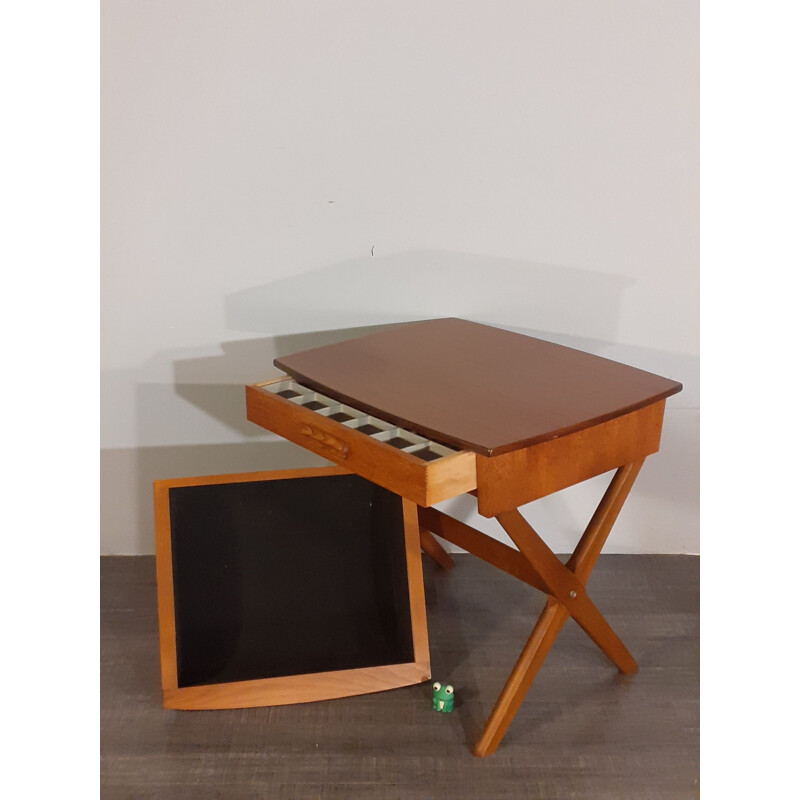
x: 417, y: 468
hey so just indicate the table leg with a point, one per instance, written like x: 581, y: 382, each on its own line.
x: 429, y: 545
x: 565, y: 586
x: 519, y: 681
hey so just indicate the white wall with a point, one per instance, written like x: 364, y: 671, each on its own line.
x: 279, y: 174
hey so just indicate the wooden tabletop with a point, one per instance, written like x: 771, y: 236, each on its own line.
x: 476, y: 387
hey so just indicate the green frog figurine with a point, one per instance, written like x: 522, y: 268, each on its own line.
x: 442, y: 697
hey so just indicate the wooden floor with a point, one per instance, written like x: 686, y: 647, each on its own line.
x: 582, y: 732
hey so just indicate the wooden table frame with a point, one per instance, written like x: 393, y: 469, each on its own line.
x: 535, y: 564
x: 550, y: 418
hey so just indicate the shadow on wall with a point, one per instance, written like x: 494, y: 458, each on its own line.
x: 216, y: 383
x: 354, y: 298
x: 577, y: 308
x: 427, y: 284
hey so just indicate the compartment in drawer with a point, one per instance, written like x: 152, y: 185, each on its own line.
x: 393, y: 457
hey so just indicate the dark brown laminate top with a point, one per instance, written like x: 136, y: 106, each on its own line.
x: 473, y: 386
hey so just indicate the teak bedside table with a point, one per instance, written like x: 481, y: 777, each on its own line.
x: 431, y: 410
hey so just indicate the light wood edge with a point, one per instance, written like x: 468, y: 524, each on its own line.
x: 292, y: 688
x: 416, y: 588
x: 295, y: 688
x: 164, y: 588
x: 275, y: 380
x: 247, y: 477
x: 450, y: 476
x: 424, y: 482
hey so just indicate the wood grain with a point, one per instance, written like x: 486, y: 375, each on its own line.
x: 416, y: 590
x: 530, y: 660
x: 294, y: 688
x: 166, y: 609
x: 423, y: 482
x: 474, y: 386
x: 565, y: 586
x: 431, y: 547
x: 594, y: 537
x: 511, y: 480
x: 479, y: 544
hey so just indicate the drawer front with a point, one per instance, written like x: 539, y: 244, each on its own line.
x: 397, y: 459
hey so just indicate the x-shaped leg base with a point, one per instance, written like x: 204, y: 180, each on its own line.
x: 565, y: 586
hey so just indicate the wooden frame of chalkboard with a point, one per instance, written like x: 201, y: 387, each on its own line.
x: 286, y: 587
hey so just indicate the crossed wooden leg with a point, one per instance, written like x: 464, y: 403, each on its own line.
x: 565, y: 585
x: 430, y: 546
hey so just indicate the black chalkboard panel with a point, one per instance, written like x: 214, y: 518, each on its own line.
x: 273, y: 578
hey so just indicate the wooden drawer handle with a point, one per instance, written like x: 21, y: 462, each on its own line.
x: 326, y: 440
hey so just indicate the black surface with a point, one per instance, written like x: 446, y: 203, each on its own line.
x: 426, y: 454
x: 287, y: 577
x: 369, y: 429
